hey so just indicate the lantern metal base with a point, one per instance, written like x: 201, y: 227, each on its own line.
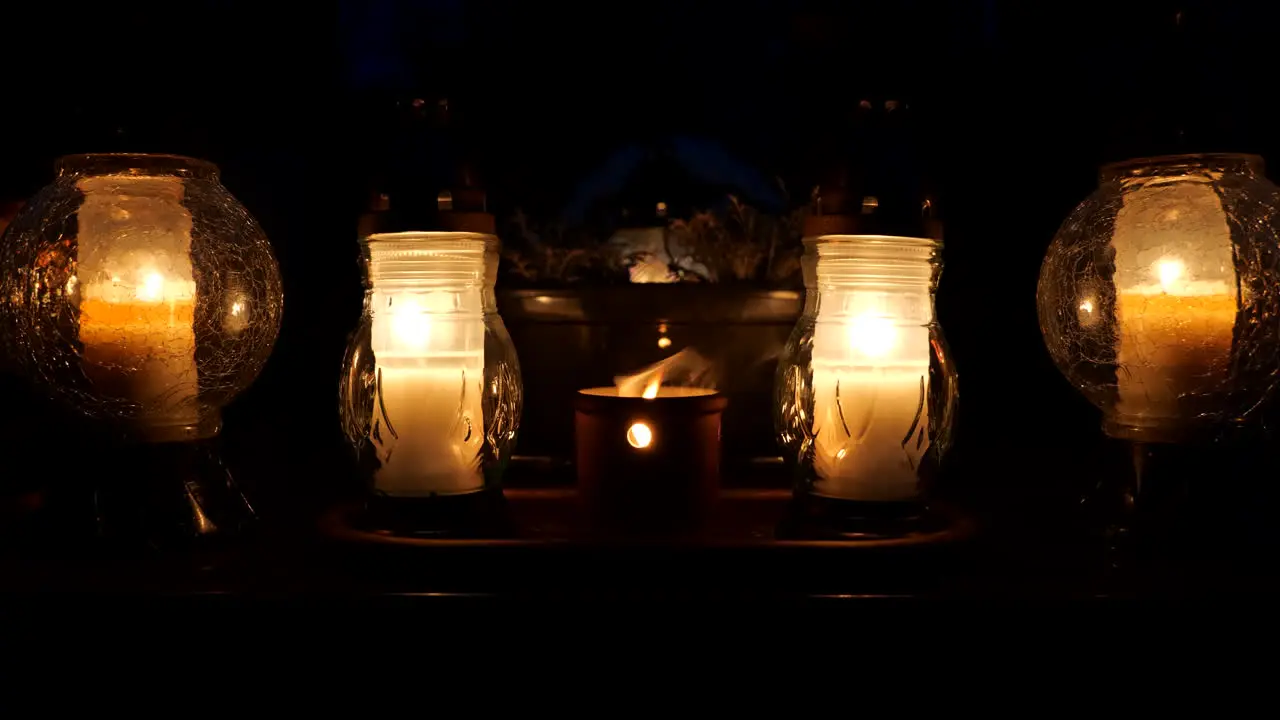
x: 814, y: 517
x: 481, y: 514
x: 155, y: 432
x: 1179, y: 501
x: 1147, y: 430
x: 167, y: 494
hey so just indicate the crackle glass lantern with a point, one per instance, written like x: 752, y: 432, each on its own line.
x: 1158, y: 297
x: 431, y: 389
x: 865, y: 390
x: 138, y: 290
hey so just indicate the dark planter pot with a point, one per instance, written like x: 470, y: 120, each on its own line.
x: 579, y: 338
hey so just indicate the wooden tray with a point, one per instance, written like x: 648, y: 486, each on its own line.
x: 738, y: 557
x: 550, y: 516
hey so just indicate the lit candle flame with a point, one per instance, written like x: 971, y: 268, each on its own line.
x: 873, y: 336
x: 685, y: 368
x: 1169, y: 270
x: 410, y: 325
x: 152, y: 287
x: 1087, y: 306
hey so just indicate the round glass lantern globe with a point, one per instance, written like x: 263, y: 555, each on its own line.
x: 1158, y: 297
x: 139, y: 291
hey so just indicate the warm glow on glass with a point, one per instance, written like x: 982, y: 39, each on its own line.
x: 120, y: 279
x: 146, y: 321
x: 430, y: 376
x: 426, y: 367
x: 639, y: 435
x: 664, y: 343
x: 1157, y: 297
x: 1175, y: 307
x: 869, y: 325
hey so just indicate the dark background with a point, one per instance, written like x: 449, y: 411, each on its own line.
x: 1020, y: 102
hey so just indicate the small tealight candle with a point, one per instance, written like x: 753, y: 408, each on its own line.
x: 648, y: 464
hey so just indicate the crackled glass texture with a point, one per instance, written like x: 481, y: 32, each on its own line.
x: 138, y: 290
x: 865, y: 392
x: 431, y: 391
x: 1158, y: 297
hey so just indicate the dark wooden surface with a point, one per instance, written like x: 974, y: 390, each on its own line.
x: 739, y: 559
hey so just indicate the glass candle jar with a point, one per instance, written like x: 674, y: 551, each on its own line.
x: 141, y: 292
x: 865, y: 391
x: 431, y: 389
x: 1158, y: 296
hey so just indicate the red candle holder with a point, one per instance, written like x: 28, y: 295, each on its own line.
x: 648, y: 466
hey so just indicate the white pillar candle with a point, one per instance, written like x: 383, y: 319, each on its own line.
x: 428, y: 414
x: 137, y: 298
x: 871, y: 423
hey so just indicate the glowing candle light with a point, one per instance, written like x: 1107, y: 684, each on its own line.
x: 639, y: 435
x: 854, y: 387
x: 431, y: 382
x: 138, y: 296
x: 869, y: 379
x: 1174, y: 321
x: 140, y: 293
x: 430, y: 356
x: 1156, y: 295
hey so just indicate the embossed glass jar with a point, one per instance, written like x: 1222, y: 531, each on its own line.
x: 431, y: 390
x: 1158, y: 297
x: 139, y: 291
x: 865, y: 391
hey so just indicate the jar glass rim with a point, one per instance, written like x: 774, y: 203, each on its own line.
x: 135, y: 164
x: 415, y: 240
x: 426, y: 236
x: 887, y: 241
x: 1137, y: 167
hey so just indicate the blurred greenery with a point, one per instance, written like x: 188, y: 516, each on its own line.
x: 736, y: 244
